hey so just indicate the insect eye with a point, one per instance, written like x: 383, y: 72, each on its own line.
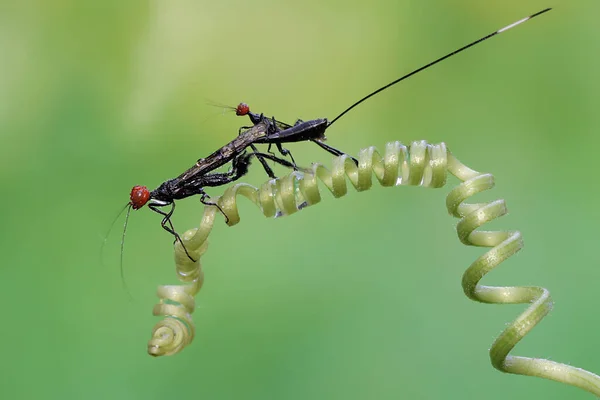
x: 242, y: 109
x: 139, y: 197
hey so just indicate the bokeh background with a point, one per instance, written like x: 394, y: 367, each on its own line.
x: 354, y: 298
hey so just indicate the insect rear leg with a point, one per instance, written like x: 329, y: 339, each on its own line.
x: 332, y: 150
x: 283, y: 162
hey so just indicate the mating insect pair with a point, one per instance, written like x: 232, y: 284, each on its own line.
x: 264, y: 130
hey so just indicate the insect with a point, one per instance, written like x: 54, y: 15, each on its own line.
x: 279, y: 132
x: 200, y: 175
x: 264, y: 130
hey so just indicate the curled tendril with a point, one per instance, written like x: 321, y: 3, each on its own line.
x: 173, y: 333
x: 421, y: 164
x: 504, y: 244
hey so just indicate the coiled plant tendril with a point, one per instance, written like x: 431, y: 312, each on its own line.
x: 421, y: 164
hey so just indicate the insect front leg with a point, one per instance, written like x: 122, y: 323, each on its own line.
x: 273, y: 125
x: 243, y: 128
x: 273, y: 128
x: 168, y: 225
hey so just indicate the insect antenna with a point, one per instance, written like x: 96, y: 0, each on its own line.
x: 110, y: 228
x: 112, y: 225
x: 225, y: 107
x: 424, y: 67
x: 125, y: 287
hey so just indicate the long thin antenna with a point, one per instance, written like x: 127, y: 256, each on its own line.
x: 123, y: 248
x: 105, y: 238
x: 128, y: 208
x: 438, y: 60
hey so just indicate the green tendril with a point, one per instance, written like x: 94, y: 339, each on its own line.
x: 504, y: 244
x: 421, y: 164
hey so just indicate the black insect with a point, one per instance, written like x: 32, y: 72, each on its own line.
x: 200, y: 175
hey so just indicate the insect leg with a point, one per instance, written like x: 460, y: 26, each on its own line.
x: 286, y: 152
x: 204, y: 200
x: 332, y: 150
x: 273, y: 125
x: 273, y: 128
x: 283, y: 162
x: 266, y: 166
x: 168, y: 225
x: 243, y: 128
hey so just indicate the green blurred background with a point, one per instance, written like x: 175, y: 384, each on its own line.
x: 354, y: 298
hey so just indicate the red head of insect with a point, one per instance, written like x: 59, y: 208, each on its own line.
x: 242, y: 109
x: 139, y: 197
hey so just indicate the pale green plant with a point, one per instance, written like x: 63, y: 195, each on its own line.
x: 421, y: 164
